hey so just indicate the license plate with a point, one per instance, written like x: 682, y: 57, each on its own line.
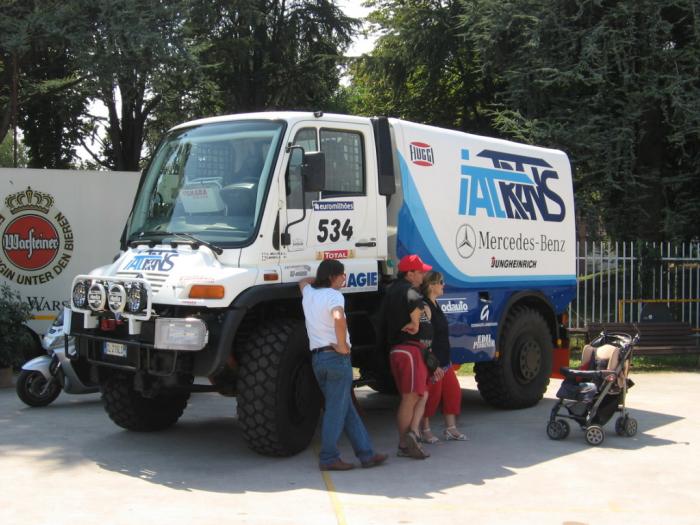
x: 115, y: 349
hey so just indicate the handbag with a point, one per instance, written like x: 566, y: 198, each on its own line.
x: 431, y: 361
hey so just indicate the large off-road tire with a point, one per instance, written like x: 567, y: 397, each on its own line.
x: 519, y: 378
x: 132, y: 411
x: 279, y: 400
x: 382, y: 381
x: 35, y: 390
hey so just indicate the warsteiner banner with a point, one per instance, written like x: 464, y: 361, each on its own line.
x: 37, y: 238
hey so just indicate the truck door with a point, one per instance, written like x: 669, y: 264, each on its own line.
x: 341, y: 221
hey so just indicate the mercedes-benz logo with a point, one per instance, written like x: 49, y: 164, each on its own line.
x: 466, y: 241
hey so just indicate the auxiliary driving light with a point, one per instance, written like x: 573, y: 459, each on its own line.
x: 97, y: 297
x: 136, y: 298
x: 80, y: 293
x: 116, y: 298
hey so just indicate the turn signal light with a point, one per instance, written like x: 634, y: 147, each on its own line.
x: 207, y: 291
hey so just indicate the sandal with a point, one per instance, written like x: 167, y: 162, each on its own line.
x: 431, y: 439
x: 413, y: 448
x: 452, y: 434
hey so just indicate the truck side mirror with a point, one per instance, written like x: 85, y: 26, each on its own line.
x: 313, y: 171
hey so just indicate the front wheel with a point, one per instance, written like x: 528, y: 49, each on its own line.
x: 35, y: 390
x: 133, y: 411
x: 519, y: 378
x: 279, y: 400
x: 594, y: 435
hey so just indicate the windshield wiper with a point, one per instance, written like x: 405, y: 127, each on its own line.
x: 196, y: 242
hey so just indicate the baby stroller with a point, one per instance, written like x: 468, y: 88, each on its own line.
x: 593, y: 395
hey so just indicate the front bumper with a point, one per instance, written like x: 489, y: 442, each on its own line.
x: 116, y: 348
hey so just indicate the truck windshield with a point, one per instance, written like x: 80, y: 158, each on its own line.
x: 209, y: 181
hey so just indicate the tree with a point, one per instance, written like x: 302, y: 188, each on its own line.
x: 51, y: 119
x: 35, y: 75
x: 615, y: 83
x: 127, y: 51
x: 271, y: 54
x: 422, y: 68
x: 7, y: 153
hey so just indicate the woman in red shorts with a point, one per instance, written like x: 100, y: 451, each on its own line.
x: 446, y: 390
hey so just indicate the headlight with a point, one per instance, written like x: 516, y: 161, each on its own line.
x: 97, y: 297
x: 136, y: 298
x: 181, y: 334
x: 116, y: 298
x: 80, y: 292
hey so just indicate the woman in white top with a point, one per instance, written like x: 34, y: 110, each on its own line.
x: 329, y: 341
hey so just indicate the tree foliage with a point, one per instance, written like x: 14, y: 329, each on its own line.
x: 616, y: 84
x: 422, y: 68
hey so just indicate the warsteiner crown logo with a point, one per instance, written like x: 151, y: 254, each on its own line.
x: 29, y: 200
x: 37, y: 240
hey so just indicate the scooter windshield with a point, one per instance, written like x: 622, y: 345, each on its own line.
x: 207, y: 181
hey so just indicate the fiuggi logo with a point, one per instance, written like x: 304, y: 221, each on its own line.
x: 421, y: 153
x: 37, y: 240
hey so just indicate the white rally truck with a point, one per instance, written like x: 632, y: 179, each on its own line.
x: 233, y: 211
x: 55, y: 224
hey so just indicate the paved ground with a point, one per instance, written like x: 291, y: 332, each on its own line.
x: 69, y: 464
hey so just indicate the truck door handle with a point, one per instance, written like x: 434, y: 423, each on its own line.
x: 370, y: 244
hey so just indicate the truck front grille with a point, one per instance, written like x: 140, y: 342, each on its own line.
x: 155, y: 279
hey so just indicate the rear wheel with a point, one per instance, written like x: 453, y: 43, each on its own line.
x: 35, y: 390
x: 519, y: 378
x: 279, y: 400
x: 133, y: 411
x: 554, y: 430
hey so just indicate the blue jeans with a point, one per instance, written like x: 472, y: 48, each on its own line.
x: 334, y: 374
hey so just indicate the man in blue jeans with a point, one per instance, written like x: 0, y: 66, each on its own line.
x: 324, y: 310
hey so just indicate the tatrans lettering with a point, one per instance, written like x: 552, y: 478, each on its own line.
x: 517, y: 187
x: 152, y: 261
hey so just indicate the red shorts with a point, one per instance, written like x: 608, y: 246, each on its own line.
x: 408, y: 369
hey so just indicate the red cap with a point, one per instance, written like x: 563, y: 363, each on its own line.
x: 413, y: 262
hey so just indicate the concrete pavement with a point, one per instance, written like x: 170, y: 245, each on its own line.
x: 69, y: 464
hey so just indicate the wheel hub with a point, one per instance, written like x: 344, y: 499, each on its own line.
x: 530, y: 360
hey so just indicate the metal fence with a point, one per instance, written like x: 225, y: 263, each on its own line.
x: 619, y: 281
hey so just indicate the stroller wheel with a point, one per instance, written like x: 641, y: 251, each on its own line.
x: 555, y: 430
x: 630, y: 427
x: 594, y: 435
x: 565, y: 428
x: 620, y: 425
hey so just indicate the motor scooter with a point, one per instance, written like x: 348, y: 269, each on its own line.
x: 42, y: 378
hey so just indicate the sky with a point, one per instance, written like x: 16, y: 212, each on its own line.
x: 355, y: 9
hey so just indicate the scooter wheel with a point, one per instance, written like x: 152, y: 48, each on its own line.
x: 34, y: 389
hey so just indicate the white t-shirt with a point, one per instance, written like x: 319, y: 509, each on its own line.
x: 318, y: 304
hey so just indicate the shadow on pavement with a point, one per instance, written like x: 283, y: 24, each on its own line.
x: 205, y: 451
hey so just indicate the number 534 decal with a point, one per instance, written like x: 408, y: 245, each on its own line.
x: 331, y: 230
